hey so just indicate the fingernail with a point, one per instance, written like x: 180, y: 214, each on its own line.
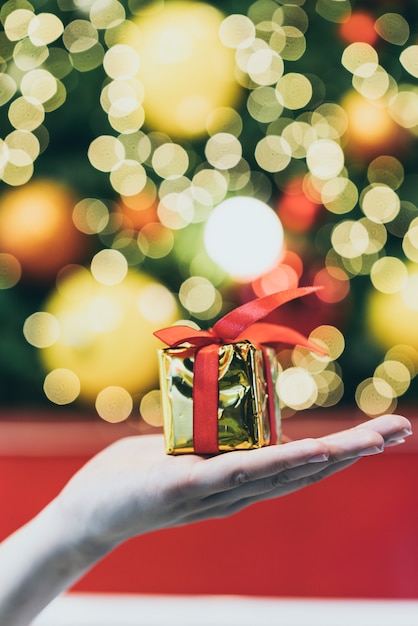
x: 395, y: 442
x: 371, y: 450
x: 398, y: 437
x: 318, y: 458
x: 405, y: 432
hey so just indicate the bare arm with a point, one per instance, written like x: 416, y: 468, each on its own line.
x: 132, y: 487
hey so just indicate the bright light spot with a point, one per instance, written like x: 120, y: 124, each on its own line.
x: 90, y: 216
x: 121, y: 62
x: 273, y: 153
x: 150, y: 408
x: 244, y: 237
x: 330, y: 339
x: 297, y: 388
x: 339, y: 195
x: 325, y: 159
x: 410, y: 241
x: 223, y: 151
x: 109, y: 267
x: 403, y: 108
x: 105, y: 153
x: 176, y: 210
x: 170, y: 160
x: 409, y: 59
x: 237, y: 31
x: 360, y: 59
x: 197, y: 294
x: 389, y: 274
x: 405, y: 355
x: 61, y: 386
x: 380, y: 203
x: 114, y: 404
x: 395, y: 374
x: 350, y: 239
x: 370, y: 399
x: 41, y: 329
x: 294, y: 91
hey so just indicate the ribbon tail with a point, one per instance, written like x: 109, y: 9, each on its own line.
x: 235, y: 322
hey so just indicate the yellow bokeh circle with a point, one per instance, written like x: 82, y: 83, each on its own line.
x: 392, y: 318
x: 106, y: 331
x: 185, y: 69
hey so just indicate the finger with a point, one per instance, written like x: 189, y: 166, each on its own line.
x: 344, y: 446
x: 280, y: 482
x: 229, y: 471
x: 233, y: 501
x: 390, y: 427
x: 353, y: 443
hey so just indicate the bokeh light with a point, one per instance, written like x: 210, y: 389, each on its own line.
x: 150, y: 408
x: 10, y: 270
x: 227, y: 237
x: 36, y: 227
x: 359, y: 27
x: 388, y: 307
x: 41, y: 329
x: 114, y: 404
x: 173, y: 44
x: 372, y: 128
x: 224, y: 155
x: 105, y: 330
x: 61, y: 386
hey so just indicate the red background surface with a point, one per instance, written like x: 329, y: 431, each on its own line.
x: 354, y: 535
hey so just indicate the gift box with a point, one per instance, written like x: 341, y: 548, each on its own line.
x: 218, y: 386
x: 244, y: 414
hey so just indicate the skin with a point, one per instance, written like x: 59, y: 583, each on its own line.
x: 132, y: 487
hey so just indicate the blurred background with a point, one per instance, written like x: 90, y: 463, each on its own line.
x: 167, y: 161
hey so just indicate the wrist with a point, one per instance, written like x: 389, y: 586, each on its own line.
x: 37, y: 562
x: 81, y: 540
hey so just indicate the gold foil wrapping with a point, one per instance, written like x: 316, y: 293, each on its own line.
x: 243, y: 416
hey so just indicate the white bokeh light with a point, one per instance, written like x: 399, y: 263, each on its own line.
x: 244, y: 237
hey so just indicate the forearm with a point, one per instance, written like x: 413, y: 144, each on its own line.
x: 37, y: 563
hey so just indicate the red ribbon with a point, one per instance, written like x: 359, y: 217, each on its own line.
x: 240, y: 324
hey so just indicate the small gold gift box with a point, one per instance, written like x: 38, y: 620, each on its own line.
x: 244, y: 416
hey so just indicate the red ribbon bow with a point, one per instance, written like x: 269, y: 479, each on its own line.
x: 229, y: 329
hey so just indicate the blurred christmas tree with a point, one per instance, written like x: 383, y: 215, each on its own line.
x: 126, y: 129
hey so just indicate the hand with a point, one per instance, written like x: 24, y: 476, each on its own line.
x: 133, y: 487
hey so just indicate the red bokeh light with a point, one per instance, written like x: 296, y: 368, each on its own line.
x: 296, y: 211
x: 335, y: 283
x: 285, y: 275
x: 140, y: 209
x: 359, y: 27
